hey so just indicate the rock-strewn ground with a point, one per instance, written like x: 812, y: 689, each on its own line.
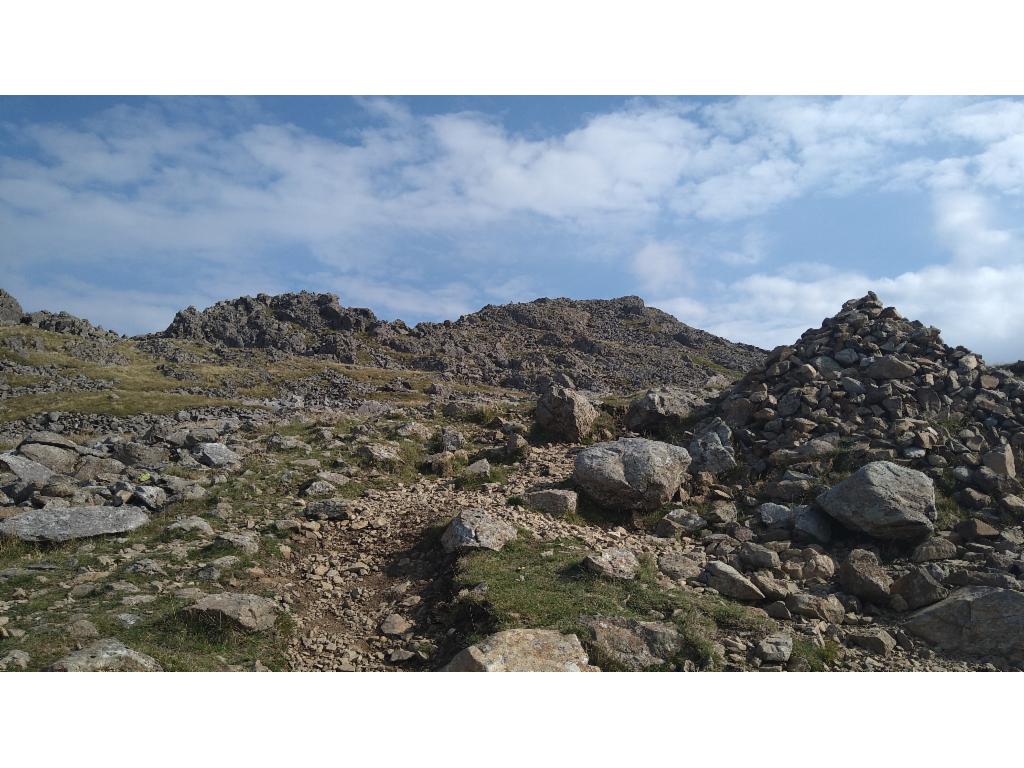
x: 170, y: 504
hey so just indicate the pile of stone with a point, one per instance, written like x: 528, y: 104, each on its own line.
x: 869, y: 385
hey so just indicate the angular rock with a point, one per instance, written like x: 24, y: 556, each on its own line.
x: 477, y: 529
x: 1000, y: 460
x: 979, y: 621
x: 554, y: 501
x: 875, y: 640
x: 776, y: 648
x: 711, y: 448
x: 862, y: 575
x: 730, y: 582
x: 918, y: 588
x: 634, y: 645
x: 810, y: 524
x: 613, y: 563
x: 215, y: 455
x: 192, y: 523
x: 812, y: 606
x: 631, y: 473
x: 679, y: 522
x: 680, y: 566
x: 884, y: 500
x: 660, y: 410
x: 234, y: 610
x: 59, y: 460
x: 565, y: 414
x: 107, y: 655
x: 935, y: 548
x: 523, y: 650
x: 56, y: 524
x: 756, y: 557
x: 27, y: 470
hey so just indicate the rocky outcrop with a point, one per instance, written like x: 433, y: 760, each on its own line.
x: 632, y: 473
x: 10, y: 309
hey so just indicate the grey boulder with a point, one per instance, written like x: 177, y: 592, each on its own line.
x: 56, y: 524
x: 884, y: 500
x: 234, y: 610
x: 631, y: 473
x: 476, y: 529
x: 107, y: 655
x: 565, y: 414
x: 523, y: 650
x: 980, y: 621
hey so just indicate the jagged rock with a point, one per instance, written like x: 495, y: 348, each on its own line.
x: 215, y: 455
x: 385, y: 456
x: 107, y: 655
x: 477, y: 529
x: 246, y: 541
x: 395, y: 625
x: 815, y: 607
x: 192, y: 523
x: 634, y: 645
x: 27, y: 470
x: 776, y: 648
x: 56, y: 524
x: 1000, y: 460
x: 980, y: 621
x: 918, y: 588
x: 730, y: 582
x: 150, y: 496
x: 631, y: 473
x: 679, y: 522
x: 565, y: 414
x: 234, y: 610
x: 756, y: 557
x: 711, y: 448
x: 810, y: 524
x: 659, y: 411
x: 883, y: 500
x: 554, y: 501
x: 875, y: 640
x: 523, y: 650
x: 10, y: 310
x: 680, y: 566
x: 613, y: 563
x: 862, y: 575
x: 776, y: 515
x: 329, y: 509
x: 889, y: 367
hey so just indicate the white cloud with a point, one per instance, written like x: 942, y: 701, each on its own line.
x: 661, y: 268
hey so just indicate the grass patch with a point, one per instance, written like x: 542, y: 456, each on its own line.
x: 810, y: 657
x: 543, y: 585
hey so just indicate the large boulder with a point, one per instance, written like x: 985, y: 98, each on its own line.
x: 565, y: 414
x: 56, y: 524
x: 661, y: 410
x: 634, y: 645
x: 523, y: 650
x: 631, y: 473
x: 980, y: 621
x: 476, y: 529
x: 215, y: 455
x: 107, y: 655
x: 884, y: 500
x: 27, y: 470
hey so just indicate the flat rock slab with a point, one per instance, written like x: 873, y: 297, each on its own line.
x: 58, y: 524
x: 27, y: 470
x: 235, y: 610
x: 523, y: 650
x: 215, y: 455
x: 107, y: 655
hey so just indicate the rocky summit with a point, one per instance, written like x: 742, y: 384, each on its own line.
x: 286, y: 483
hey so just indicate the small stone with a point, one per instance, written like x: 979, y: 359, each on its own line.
x: 395, y: 625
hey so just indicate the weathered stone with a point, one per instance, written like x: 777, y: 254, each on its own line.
x: 776, y: 648
x: 810, y: 524
x: 889, y: 367
x: 862, y: 575
x: 730, y: 582
x: 246, y: 541
x: 1000, y: 460
x: 234, y: 610
x: 27, y: 470
x: 477, y: 529
x: 812, y: 606
x: 565, y: 414
x: 711, y: 448
x: 329, y: 509
x: 634, y: 645
x: 554, y: 501
x: 934, y: 549
x: 107, y: 655
x: 875, y: 640
x: 980, y: 621
x: 613, y: 563
x: 56, y: 524
x: 215, y: 455
x: 660, y: 411
x: 60, y: 460
x: 680, y: 566
x: 679, y: 522
x: 631, y: 473
x: 395, y: 625
x: 523, y: 650
x: 884, y: 500
x: 755, y: 557
x: 918, y: 588
x: 150, y: 496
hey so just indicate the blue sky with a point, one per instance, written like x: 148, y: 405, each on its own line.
x: 752, y: 217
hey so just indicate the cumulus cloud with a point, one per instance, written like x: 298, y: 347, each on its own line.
x: 429, y: 216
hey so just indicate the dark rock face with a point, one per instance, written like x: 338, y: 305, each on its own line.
x: 10, y: 309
